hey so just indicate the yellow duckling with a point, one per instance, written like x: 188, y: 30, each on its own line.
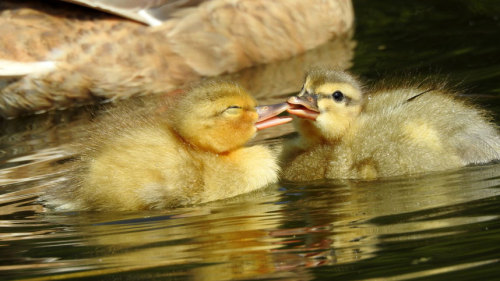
x: 193, y: 152
x: 347, y: 133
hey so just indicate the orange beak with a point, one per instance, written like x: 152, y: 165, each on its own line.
x: 304, y: 106
x: 268, y: 115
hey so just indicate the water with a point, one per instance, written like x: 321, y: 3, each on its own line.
x: 439, y: 226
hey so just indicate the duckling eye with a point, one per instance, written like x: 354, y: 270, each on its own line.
x: 232, y: 110
x: 338, y: 96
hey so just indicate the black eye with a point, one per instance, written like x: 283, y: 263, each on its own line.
x: 338, y: 96
x: 233, y: 106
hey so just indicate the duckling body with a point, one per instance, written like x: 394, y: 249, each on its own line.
x: 193, y: 153
x: 388, y: 132
x: 152, y: 169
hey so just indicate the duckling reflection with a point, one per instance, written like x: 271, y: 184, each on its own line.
x: 403, y: 210
x: 223, y: 240
x: 192, y: 152
x: 347, y: 133
x: 243, y: 239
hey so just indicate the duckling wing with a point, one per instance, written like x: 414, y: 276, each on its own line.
x: 463, y: 126
x: 478, y: 146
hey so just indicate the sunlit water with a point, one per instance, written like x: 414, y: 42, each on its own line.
x: 440, y: 226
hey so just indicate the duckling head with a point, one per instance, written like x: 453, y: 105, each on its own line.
x: 220, y: 116
x: 328, y: 104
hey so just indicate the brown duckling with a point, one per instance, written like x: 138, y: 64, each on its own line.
x: 56, y: 54
x: 193, y: 152
x: 345, y: 132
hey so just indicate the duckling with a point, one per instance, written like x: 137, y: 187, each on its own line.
x: 345, y: 132
x: 191, y: 152
x: 58, y: 55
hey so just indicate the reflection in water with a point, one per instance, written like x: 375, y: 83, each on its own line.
x: 324, y: 224
x: 359, y: 213
x: 276, y: 233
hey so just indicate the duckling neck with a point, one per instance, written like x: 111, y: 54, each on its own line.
x: 346, y: 137
x: 190, y: 146
x: 181, y: 140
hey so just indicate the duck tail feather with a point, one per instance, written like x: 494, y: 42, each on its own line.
x: 15, y: 69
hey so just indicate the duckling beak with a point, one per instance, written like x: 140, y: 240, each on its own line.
x: 304, y: 106
x: 268, y: 115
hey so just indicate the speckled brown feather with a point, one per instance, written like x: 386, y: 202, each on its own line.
x: 99, y: 56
